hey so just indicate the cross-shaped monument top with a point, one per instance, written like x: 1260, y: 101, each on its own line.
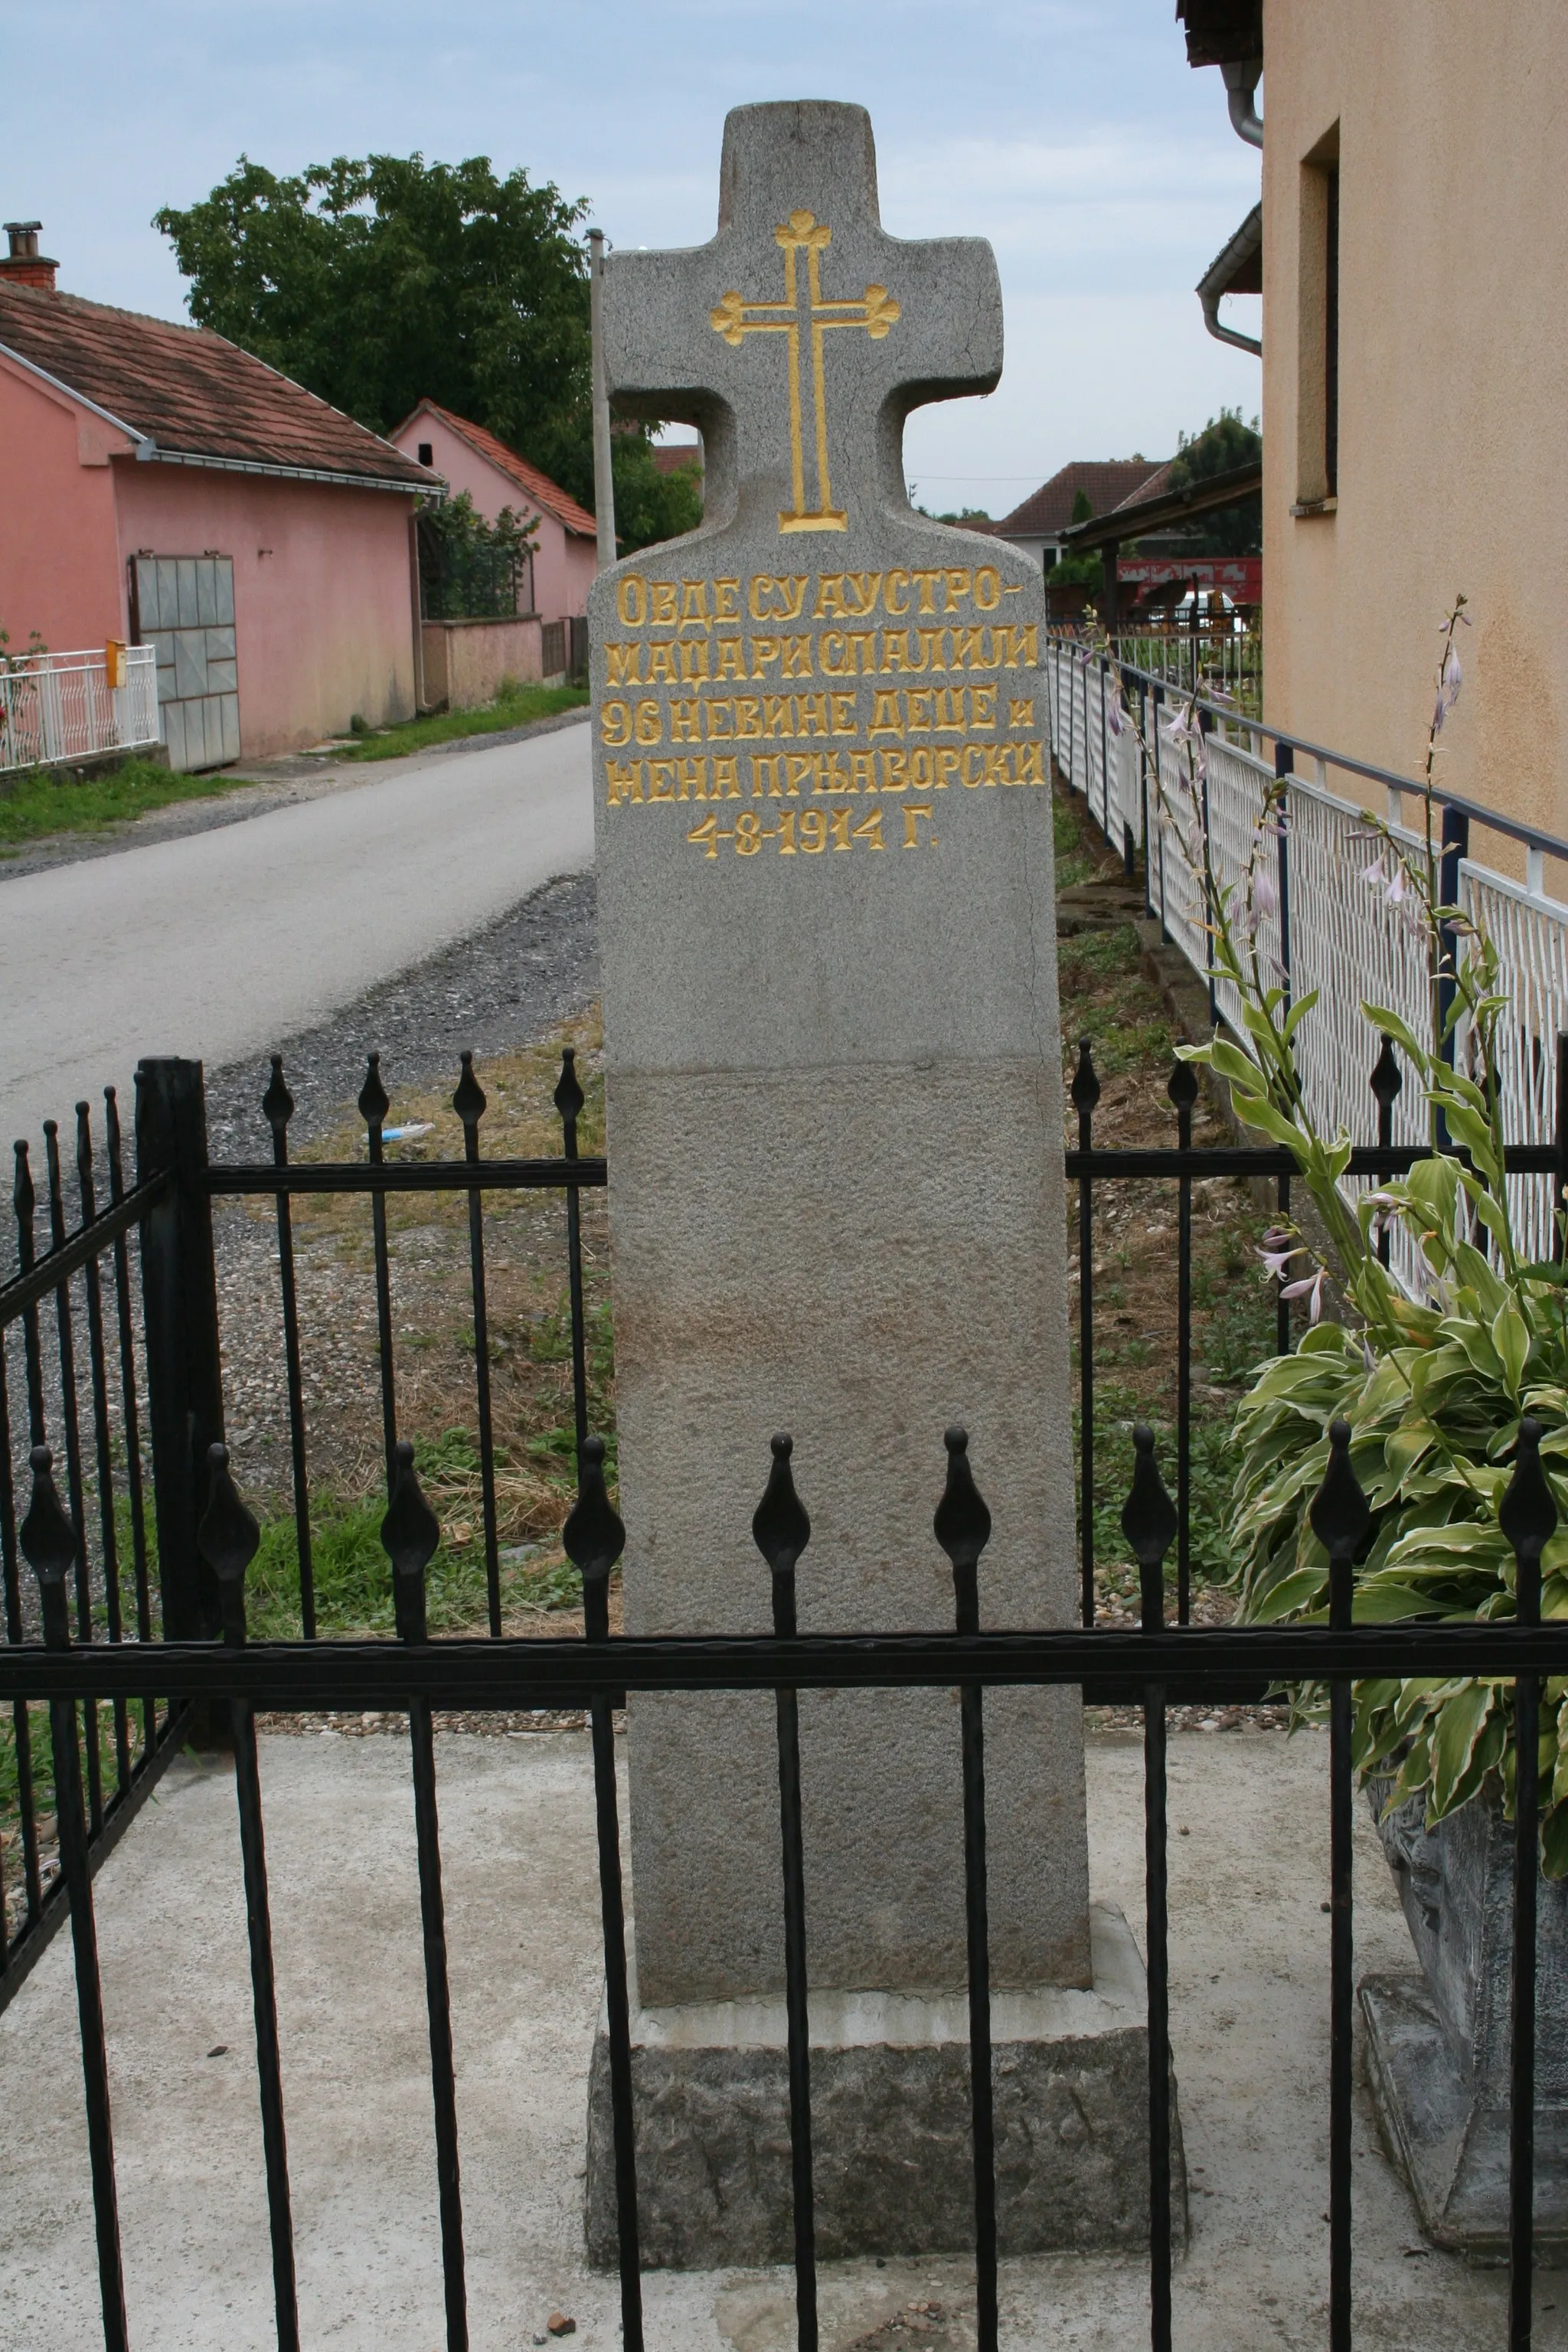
x: 801, y: 337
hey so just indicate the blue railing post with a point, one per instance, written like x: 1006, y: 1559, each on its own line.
x: 1456, y: 846
x: 1285, y: 765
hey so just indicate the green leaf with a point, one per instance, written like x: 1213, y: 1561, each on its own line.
x: 1511, y: 1338
x: 1390, y: 1023
x: 1459, y: 1726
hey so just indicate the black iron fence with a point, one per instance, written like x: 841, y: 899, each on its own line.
x: 153, y: 1366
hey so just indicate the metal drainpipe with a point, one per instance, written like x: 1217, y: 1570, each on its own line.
x: 1242, y: 76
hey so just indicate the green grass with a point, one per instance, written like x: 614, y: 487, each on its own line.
x: 515, y: 706
x: 38, y: 802
x: 1106, y: 998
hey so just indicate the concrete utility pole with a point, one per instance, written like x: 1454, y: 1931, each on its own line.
x: 603, y: 483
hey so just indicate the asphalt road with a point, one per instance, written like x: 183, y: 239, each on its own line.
x: 219, y: 944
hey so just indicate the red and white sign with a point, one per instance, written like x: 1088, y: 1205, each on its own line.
x: 1240, y: 576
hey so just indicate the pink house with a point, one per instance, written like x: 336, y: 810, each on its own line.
x: 471, y: 459
x: 163, y: 486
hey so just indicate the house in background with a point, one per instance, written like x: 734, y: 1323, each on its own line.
x: 163, y: 486
x: 466, y: 662
x: 1036, y: 526
x: 1415, y: 281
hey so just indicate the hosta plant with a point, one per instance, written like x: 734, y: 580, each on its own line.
x: 1434, y: 1386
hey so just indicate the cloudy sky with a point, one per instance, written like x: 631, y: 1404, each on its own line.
x: 1070, y: 132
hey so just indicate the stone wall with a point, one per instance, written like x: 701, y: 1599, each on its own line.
x: 466, y: 661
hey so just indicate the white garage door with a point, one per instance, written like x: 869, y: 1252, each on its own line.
x: 183, y: 604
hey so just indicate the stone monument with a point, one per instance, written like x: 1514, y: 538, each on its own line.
x: 837, y: 1207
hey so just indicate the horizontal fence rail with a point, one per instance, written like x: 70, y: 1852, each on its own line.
x: 412, y: 1675
x: 56, y: 707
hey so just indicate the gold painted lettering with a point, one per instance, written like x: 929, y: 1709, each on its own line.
x: 947, y: 759
x: 616, y: 724
x: 726, y: 778
x: 631, y: 601
x: 869, y: 829
x: 811, y: 713
x: 896, y: 651
x: 765, y: 653
x: 840, y: 823
x: 693, y: 660
x: 912, y: 814
x: 863, y: 648
x: 706, y: 837
x: 661, y: 666
x: 898, y: 611
x: 690, y: 773
x: 726, y: 600
x: 987, y: 588
x: 843, y: 709
x: 813, y: 831
x: 983, y: 706
x: 748, y: 718
x: 792, y: 598
x: 661, y: 780
x: 830, y: 604
x: 998, y: 763
x: 663, y: 611
x: 732, y: 658
x: 786, y: 833
x: 927, y: 581
x: 921, y: 770
x: 621, y: 665
x: 917, y: 702
x: 973, y: 756
x: 622, y: 782
x: 862, y: 770
x: 1020, y: 711
x: 885, y: 715
x: 967, y: 647
x: 895, y: 771
x: 796, y: 653
x: 1031, y: 769
x: 930, y: 648
x: 721, y: 714
x: 833, y: 656
x: 685, y: 719
x: 949, y: 700
x: 800, y: 767
x: 748, y: 833
x: 832, y: 775
x: 778, y: 716
x: 694, y: 613
x: 868, y: 587
x: 757, y: 591
x: 957, y: 586
x: 765, y: 766
x: 649, y: 722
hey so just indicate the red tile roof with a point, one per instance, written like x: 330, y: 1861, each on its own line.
x: 191, y: 393
x: 1106, y: 482
x: 538, y: 487
x: 678, y: 457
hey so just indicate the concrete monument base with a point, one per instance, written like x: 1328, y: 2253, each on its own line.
x: 1449, y: 2139
x: 891, y: 2126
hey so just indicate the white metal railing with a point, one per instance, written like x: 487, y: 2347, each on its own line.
x: 1220, y: 662
x: 62, y: 707
x: 1334, y: 929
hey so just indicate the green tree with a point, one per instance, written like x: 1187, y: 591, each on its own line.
x: 1081, y: 509
x: 1224, y: 443
x: 380, y: 282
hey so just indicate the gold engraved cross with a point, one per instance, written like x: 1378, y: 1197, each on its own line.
x: 734, y: 319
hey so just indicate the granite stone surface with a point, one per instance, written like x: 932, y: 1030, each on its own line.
x: 825, y: 854
x: 891, y: 2114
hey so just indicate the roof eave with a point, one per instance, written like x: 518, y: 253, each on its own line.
x: 140, y: 442
x: 435, y: 488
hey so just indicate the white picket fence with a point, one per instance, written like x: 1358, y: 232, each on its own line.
x: 57, y: 707
x: 1335, y: 930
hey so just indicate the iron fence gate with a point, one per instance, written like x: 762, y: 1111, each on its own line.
x: 154, y: 1373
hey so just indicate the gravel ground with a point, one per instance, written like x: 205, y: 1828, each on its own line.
x: 499, y: 990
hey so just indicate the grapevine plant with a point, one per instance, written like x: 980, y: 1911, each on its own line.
x: 1434, y: 1386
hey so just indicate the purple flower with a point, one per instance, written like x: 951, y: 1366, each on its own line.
x: 1264, y: 894
x: 1113, y: 715
x: 1439, y: 713
x: 1276, y: 1253
x: 1310, y: 1284
x: 1453, y: 677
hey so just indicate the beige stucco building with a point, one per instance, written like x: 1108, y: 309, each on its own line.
x: 1416, y: 382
